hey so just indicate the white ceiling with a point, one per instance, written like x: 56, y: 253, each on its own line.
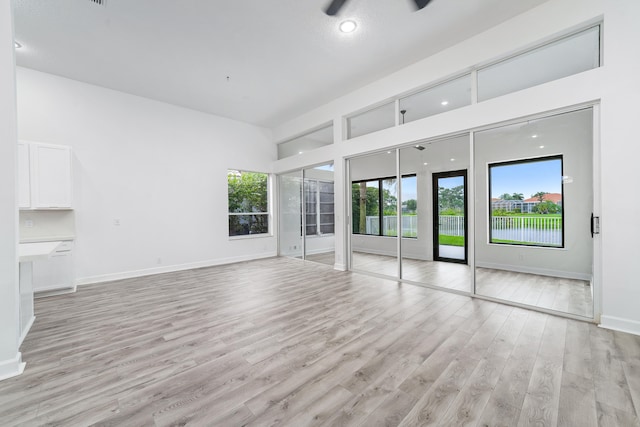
x: 283, y: 58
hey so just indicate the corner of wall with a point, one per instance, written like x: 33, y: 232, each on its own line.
x: 12, y: 367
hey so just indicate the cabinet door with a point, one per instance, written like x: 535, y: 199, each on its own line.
x: 51, y: 176
x: 53, y: 273
x: 24, y: 176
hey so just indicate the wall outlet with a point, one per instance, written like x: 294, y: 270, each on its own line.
x: 159, y: 261
x: 28, y: 223
x: 116, y: 222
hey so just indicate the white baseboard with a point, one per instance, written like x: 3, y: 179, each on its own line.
x: 535, y: 270
x: 11, y: 367
x: 620, y: 324
x: 340, y: 267
x: 168, y: 269
x: 26, y: 330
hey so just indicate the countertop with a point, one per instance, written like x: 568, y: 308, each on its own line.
x: 57, y: 238
x: 34, y: 251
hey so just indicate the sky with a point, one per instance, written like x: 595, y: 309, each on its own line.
x: 527, y: 178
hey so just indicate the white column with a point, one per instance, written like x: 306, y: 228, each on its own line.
x: 340, y: 208
x: 10, y: 359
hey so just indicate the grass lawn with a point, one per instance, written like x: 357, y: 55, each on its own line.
x: 451, y: 240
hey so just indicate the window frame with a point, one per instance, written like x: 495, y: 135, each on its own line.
x: 318, y: 223
x: 490, y: 208
x: 381, y: 205
x: 268, y: 233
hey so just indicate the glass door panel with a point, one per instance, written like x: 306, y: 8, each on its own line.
x: 319, y: 214
x: 534, y: 199
x: 420, y: 165
x: 374, y: 199
x: 290, y: 227
x: 450, y: 216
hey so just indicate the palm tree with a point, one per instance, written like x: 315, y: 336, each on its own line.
x: 540, y: 195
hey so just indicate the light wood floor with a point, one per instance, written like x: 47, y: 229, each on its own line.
x: 286, y: 342
x: 553, y: 293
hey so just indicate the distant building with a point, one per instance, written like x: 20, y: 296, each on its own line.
x: 526, y: 205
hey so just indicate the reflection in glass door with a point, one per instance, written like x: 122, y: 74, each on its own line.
x: 450, y: 216
x: 319, y: 239
x: 534, y: 199
x: 290, y: 228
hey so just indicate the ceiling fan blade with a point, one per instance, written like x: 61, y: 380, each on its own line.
x: 421, y: 3
x: 334, y: 7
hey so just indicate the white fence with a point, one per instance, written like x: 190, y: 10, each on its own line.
x: 541, y: 230
x: 536, y: 229
x: 389, y: 225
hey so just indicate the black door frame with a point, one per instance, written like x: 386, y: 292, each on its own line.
x: 435, y: 214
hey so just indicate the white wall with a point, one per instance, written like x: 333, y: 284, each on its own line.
x: 620, y: 152
x: 615, y: 85
x: 10, y: 359
x: 159, y: 169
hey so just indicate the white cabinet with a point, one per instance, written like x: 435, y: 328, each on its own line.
x: 44, y: 172
x: 24, y: 176
x: 56, y: 272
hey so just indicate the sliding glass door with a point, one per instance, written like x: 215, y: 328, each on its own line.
x: 307, y: 217
x: 534, y: 201
x: 530, y: 189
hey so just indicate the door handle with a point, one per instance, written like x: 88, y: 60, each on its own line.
x: 595, y: 225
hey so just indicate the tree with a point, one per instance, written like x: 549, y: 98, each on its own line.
x: 411, y: 205
x: 366, y: 202
x: 517, y: 196
x: 540, y: 195
x: 546, y: 207
x: 506, y: 196
x: 247, y: 193
x: 451, y: 198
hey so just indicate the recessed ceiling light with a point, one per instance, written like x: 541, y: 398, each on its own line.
x: 388, y: 152
x: 542, y: 146
x: 425, y: 163
x: 535, y: 135
x: 348, y: 26
x: 445, y: 102
x: 452, y: 159
x: 299, y: 152
x: 17, y: 45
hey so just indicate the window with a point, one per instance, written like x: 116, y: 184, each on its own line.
x: 565, y: 57
x: 379, y: 118
x: 319, y: 207
x: 372, y: 197
x: 306, y: 142
x: 248, y: 203
x: 437, y: 99
x: 525, y: 206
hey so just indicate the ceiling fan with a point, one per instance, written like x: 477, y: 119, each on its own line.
x: 335, y: 6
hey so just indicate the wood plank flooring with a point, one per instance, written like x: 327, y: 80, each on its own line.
x: 286, y: 342
x: 553, y: 293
